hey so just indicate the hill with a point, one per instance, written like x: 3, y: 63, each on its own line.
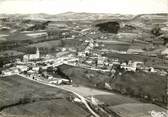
x: 21, y: 97
x: 151, y: 87
x: 136, y: 110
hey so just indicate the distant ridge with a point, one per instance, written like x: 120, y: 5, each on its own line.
x: 69, y: 16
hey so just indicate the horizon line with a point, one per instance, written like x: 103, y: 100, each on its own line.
x: 85, y: 12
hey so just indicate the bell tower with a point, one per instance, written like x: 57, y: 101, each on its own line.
x: 37, y: 53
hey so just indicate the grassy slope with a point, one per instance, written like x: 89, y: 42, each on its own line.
x: 136, y: 110
x: 142, y: 84
x: 48, y: 101
x: 79, y: 76
x: 113, y: 100
x: 84, y: 76
x: 139, y: 84
x: 47, y: 44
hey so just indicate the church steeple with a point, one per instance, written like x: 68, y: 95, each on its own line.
x: 37, y: 53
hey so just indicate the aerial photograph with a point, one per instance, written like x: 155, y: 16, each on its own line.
x: 83, y: 58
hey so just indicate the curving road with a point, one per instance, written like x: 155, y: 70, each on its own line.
x: 83, y: 100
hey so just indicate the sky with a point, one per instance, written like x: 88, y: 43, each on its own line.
x: 93, y: 6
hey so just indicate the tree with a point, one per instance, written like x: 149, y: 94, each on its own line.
x: 40, y: 70
x: 145, y: 60
x: 165, y: 40
x: 156, y: 31
x: 109, y: 27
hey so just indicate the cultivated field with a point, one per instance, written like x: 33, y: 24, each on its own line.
x: 23, y: 97
x: 116, y: 99
x: 136, y: 110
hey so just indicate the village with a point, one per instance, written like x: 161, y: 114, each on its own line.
x: 98, y: 65
x: 35, y: 66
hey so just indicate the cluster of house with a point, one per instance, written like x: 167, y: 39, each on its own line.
x: 88, y: 57
x: 92, y: 59
x: 135, y: 66
x: 35, y: 67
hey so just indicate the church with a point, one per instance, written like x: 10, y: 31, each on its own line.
x: 35, y: 56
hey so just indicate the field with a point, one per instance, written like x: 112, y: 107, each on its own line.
x: 23, y: 97
x: 18, y: 37
x: 86, y: 91
x: 72, y: 43
x: 9, y: 53
x: 150, y: 86
x: 136, y: 110
x: 119, y: 47
x: 94, y: 80
x: 113, y: 100
x: 47, y: 44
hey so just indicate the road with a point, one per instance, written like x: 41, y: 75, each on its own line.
x: 83, y: 100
